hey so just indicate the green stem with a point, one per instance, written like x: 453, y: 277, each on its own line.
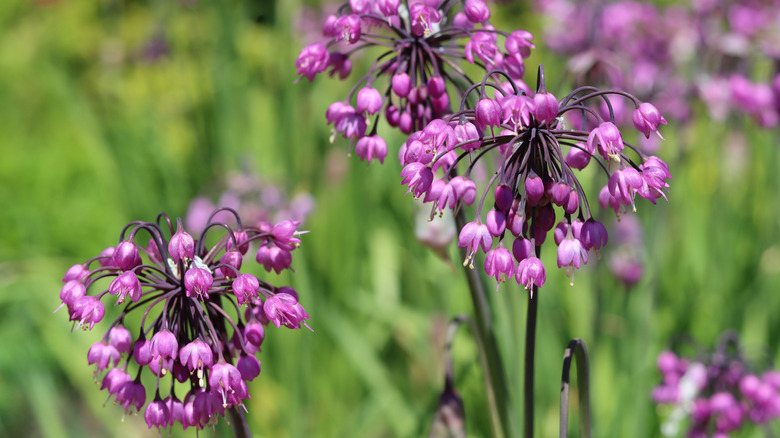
x: 577, y: 348
x: 238, y: 422
x: 484, y: 323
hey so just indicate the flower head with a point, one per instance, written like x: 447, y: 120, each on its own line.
x: 415, y: 81
x: 186, y: 288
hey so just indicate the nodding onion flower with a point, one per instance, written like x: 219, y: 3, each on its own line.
x: 524, y: 134
x: 422, y: 49
x: 201, y: 319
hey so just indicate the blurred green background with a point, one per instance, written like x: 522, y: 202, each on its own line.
x: 114, y: 111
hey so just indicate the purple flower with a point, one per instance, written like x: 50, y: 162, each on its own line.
x: 593, y: 234
x: 197, y: 282
x: 348, y: 28
x: 647, y: 118
x: 423, y: 18
x: 72, y: 291
x: 545, y: 108
x: 248, y: 366
x: 418, y: 177
x: 572, y: 253
x: 578, y: 158
x: 114, y: 379
x: 623, y: 185
x: 86, y: 310
x: 101, y: 354
x: 499, y: 264
x: 120, y: 338
x: 476, y: 11
x: 370, y: 147
x: 75, y: 272
x: 283, y: 309
x: 157, y: 414
x: 131, y: 395
x: 246, y: 286
x: 607, y: 139
x: 182, y: 245
x: 483, y: 46
x: 126, y: 284
x: 487, y: 113
x: 530, y: 273
x: 125, y: 256
x: 164, y: 346
x: 368, y: 101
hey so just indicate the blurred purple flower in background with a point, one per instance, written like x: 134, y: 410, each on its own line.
x: 718, y: 391
x: 256, y: 201
x: 725, y: 53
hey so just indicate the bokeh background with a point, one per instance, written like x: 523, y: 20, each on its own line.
x: 114, y: 111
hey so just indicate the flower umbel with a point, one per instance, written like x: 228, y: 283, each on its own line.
x: 525, y: 134
x: 190, y: 293
x: 422, y: 46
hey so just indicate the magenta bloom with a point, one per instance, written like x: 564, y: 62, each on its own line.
x: 86, y: 310
x: 182, y: 245
x: 530, y: 272
x: 572, y: 253
x: 197, y: 282
x: 370, y: 147
x: 487, y: 113
x: 418, y: 177
x: 423, y: 18
x: 164, y: 346
x: 246, y: 286
x: 180, y: 303
x: 348, y: 28
x: 368, y: 101
x: 312, y: 60
x: 101, y: 354
x: 125, y: 256
x: 499, y: 264
x: 473, y: 236
x: 120, y: 338
x: 283, y: 309
x: 607, y: 139
x: 249, y: 367
x: 126, y: 284
x: 545, y: 108
x: 157, y: 414
x: 647, y: 118
x: 476, y: 11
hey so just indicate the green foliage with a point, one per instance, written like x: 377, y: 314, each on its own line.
x: 95, y: 134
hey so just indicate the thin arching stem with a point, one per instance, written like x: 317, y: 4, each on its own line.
x: 577, y: 349
x: 484, y: 323
x: 238, y: 423
x: 530, y: 348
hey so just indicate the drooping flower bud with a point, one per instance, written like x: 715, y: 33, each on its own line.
x: 197, y: 282
x: 545, y: 108
x: 646, y: 119
x: 125, y: 284
x: 284, y: 310
x: 368, y: 101
x: 125, y: 256
x: 182, y: 245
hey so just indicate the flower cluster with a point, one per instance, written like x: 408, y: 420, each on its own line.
x: 524, y: 132
x: 717, y: 392
x: 253, y: 198
x: 423, y: 42
x: 712, y: 50
x: 202, y: 318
